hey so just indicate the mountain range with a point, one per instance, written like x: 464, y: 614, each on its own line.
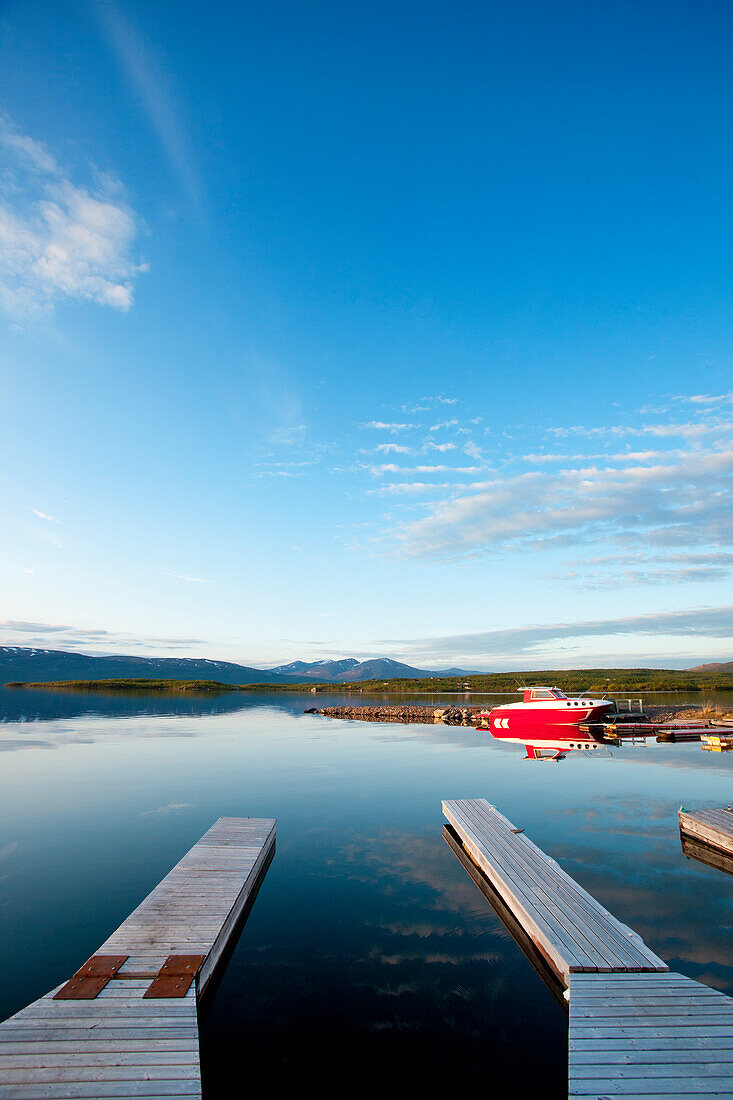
x: 18, y: 663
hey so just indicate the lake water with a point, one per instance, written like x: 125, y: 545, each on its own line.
x: 369, y: 955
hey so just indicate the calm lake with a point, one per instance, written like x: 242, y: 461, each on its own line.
x: 369, y: 953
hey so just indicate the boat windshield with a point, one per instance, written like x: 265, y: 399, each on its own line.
x: 558, y: 694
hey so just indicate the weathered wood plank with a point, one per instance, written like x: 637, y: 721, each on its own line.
x: 99, y: 1089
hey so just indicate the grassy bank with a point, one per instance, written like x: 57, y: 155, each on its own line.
x: 572, y: 681
x: 161, y: 686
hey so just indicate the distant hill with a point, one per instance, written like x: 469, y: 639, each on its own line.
x: 39, y: 665
x: 44, y: 665
x: 317, y: 670
x: 352, y: 671
x: 714, y: 666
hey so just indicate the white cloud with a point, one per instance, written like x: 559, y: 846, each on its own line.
x: 380, y: 425
x: 691, y: 430
x: 424, y: 404
x: 708, y: 399
x: 60, y: 240
x: 679, y: 503
x: 405, y: 488
x: 442, y: 447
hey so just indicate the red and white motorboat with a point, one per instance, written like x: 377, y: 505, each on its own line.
x: 545, y: 712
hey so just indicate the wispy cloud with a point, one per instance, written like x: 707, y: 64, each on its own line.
x: 425, y: 404
x: 187, y: 577
x: 666, y: 504
x: 146, y: 74
x: 612, y: 571
x: 393, y: 448
x: 652, y: 485
x: 382, y: 426
x: 59, y: 239
x: 519, y: 642
x: 96, y: 641
x: 45, y: 515
x: 688, y: 430
x: 707, y: 399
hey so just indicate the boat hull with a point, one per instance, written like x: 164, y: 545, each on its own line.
x: 558, y: 722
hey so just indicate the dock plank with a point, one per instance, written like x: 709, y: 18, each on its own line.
x: 121, y: 1043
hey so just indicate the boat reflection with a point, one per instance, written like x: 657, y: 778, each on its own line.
x: 547, y: 748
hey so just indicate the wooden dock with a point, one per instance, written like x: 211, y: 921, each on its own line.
x: 711, y: 827
x: 126, y: 1024
x: 635, y: 1028
x: 568, y: 926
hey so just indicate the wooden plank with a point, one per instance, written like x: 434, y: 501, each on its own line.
x: 121, y: 1043
x: 88, y: 1058
x: 45, y: 1074
x: 99, y: 1089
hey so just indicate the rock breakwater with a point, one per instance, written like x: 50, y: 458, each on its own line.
x: 412, y: 712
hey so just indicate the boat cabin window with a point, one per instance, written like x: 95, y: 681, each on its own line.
x: 541, y: 693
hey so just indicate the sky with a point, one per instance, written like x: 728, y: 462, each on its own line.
x: 367, y: 329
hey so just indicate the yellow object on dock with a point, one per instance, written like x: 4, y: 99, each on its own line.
x: 126, y: 1024
x: 717, y: 743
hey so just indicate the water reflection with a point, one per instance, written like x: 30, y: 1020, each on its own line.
x: 548, y: 748
x: 366, y: 931
x: 706, y: 853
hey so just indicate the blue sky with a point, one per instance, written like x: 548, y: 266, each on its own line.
x: 360, y: 329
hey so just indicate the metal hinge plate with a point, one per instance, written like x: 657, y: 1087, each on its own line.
x: 175, y: 976
x: 91, y: 978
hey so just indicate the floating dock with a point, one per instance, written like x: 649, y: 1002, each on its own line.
x: 710, y: 827
x: 126, y: 1024
x: 635, y: 1028
x: 614, y: 732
